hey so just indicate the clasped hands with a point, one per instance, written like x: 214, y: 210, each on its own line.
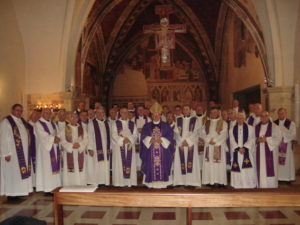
x: 153, y: 140
x: 261, y: 139
x: 56, y: 140
x: 212, y: 142
x: 126, y: 141
x: 76, y: 145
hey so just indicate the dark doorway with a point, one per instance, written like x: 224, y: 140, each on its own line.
x: 248, y: 96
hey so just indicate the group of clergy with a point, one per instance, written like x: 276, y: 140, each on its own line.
x: 186, y: 147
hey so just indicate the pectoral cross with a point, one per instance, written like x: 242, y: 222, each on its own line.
x: 164, y: 34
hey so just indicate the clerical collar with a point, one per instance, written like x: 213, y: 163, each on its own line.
x: 123, y: 120
x: 265, y: 122
x: 282, y: 119
x: 45, y: 120
x: 17, y: 118
x: 100, y: 119
x: 199, y: 115
x: 188, y: 116
x: 156, y: 122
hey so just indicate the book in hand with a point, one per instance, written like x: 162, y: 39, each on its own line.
x: 78, y: 188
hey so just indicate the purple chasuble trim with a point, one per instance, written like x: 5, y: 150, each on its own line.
x: 157, y: 160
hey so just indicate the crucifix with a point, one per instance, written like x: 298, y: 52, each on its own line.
x: 164, y: 34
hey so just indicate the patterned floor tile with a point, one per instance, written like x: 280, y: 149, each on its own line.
x: 202, y: 216
x: 85, y: 224
x: 236, y: 215
x: 3, y: 210
x: 128, y: 215
x: 93, y: 215
x: 66, y: 213
x: 27, y: 212
x: 297, y: 212
x: 164, y: 216
x: 273, y: 214
x: 42, y: 202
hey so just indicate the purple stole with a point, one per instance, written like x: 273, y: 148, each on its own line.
x: 126, y: 158
x: 268, y: 152
x: 228, y: 145
x: 246, y: 161
x: 32, y: 144
x: 55, y: 160
x: 25, y: 170
x: 98, y: 138
x: 190, y: 149
x: 70, y: 157
x: 251, y: 120
x: 283, y: 145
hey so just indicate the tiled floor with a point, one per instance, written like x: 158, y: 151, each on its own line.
x: 39, y: 206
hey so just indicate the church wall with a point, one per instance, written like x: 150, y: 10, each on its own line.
x: 235, y: 79
x: 12, y: 63
x: 129, y: 85
x: 297, y: 74
x: 41, y: 25
x: 50, y: 31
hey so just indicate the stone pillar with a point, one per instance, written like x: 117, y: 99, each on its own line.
x: 281, y: 97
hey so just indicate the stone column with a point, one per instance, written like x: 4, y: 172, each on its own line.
x: 281, y: 97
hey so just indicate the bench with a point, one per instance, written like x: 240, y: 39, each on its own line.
x: 181, y: 198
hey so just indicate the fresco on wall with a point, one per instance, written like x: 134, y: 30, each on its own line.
x: 179, y: 84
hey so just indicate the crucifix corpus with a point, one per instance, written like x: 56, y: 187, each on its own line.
x: 164, y: 34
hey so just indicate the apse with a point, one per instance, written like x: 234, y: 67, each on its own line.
x: 173, y: 52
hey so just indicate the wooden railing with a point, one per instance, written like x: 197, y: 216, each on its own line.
x: 184, y: 198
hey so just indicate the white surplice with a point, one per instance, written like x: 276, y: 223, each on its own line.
x: 273, y: 143
x: 117, y: 165
x: 74, y: 177
x: 46, y: 180
x: 287, y: 171
x: 98, y: 171
x: 11, y: 183
x: 247, y: 177
x: 139, y: 122
x: 214, y: 172
x: 191, y: 137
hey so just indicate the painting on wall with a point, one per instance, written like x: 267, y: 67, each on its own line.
x: 181, y: 83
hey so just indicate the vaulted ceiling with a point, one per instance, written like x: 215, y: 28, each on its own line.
x: 113, y: 27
